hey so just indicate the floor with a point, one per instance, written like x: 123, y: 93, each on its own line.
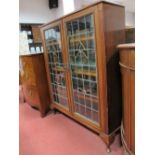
x: 58, y: 135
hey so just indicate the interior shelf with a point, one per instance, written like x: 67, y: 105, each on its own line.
x: 52, y: 42
x: 84, y: 72
x: 61, y: 69
x: 83, y: 38
x: 90, y: 98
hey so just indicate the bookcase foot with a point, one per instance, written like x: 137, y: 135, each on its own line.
x: 108, y: 140
x: 108, y: 150
x: 54, y: 111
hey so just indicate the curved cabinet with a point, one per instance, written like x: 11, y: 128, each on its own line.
x: 127, y: 65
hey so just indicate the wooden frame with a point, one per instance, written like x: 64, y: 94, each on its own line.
x: 90, y: 10
x: 54, y: 105
x: 107, y: 27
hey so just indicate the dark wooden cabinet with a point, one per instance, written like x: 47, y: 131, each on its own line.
x: 34, y: 81
x: 82, y: 66
x: 127, y: 64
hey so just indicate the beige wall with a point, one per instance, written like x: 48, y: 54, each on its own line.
x: 37, y: 11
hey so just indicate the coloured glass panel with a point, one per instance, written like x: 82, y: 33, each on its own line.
x: 82, y: 56
x: 55, y: 61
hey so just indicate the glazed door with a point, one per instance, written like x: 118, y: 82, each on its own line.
x: 80, y: 36
x: 57, y: 67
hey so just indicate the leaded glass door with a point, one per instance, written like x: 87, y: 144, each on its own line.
x: 57, y: 69
x: 82, y: 60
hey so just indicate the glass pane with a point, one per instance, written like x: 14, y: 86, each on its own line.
x: 55, y: 59
x: 82, y: 56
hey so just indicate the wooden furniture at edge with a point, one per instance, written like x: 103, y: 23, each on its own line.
x: 127, y: 65
x: 82, y: 66
x: 129, y: 35
x: 34, y: 81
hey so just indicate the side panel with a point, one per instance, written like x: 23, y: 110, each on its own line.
x: 101, y: 59
x: 114, y: 24
x: 41, y: 81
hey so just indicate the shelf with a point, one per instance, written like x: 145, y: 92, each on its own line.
x: 81, y: 32
x: 58, y: 85
x: 51, y: 43
x: 87, y: 49
x: 30, y: 36
x: 61, y: 69
x: 83, y: 96
x: 88, y: 98
x: 37, y: 44
x: 83, y: 65
x: 83, y: 79
x: 55, y: 51
x: 88, y: 73
x: 83, y: 38
x: 82, y: 72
